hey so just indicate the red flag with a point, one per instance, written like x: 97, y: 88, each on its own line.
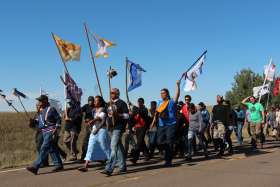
x: 276, y: 87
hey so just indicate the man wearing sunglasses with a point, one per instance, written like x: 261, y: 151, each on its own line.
x: 119, y: 110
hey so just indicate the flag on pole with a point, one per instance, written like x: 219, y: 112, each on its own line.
x: 261, y: 90
x: 73, y: 92
x: 269, y: 72
x: 135, y: 75
x: 276, y: 86
x: 68, y: 51
x: 193, y: 72
x: 102, y: 45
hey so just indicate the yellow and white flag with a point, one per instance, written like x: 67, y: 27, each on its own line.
x: 68, y: 51
x: 102, y: 45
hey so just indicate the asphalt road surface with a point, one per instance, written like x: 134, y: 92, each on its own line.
x: 245, y: 168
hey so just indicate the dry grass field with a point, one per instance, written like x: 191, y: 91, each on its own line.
x: 17, y: 140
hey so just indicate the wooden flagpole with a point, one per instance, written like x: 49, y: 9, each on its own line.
x: 126, y: 80
x: 92, y: 58
x: 65, y: 70
x: 110, y: 97
x: 268, y: 97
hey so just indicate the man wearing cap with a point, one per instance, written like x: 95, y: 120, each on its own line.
x: 49, y: 122
x: 87, y: 109
x: 118, y: 113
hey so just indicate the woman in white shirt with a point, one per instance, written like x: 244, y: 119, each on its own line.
x: 99, y: 141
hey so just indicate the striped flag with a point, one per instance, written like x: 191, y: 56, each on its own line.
x: 73, y: 92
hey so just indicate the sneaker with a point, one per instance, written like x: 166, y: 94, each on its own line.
x: 122, y: 172
x: 83, y: 169
x: 168, y: 164
x: 57, y: 169
x: 32, y: 170
x: 134, y: 161
x: 73, y: 159
x: 105, y: 172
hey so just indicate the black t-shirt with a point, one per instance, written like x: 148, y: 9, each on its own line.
x: 121, y: 108
x: 221, y: 113
x: 75, y: 114
x: 87, y: 110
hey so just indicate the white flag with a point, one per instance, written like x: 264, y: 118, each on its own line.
x: 261, y: 90
x: 269, y: 72
x: 191, y: 75
x: 189, y: 85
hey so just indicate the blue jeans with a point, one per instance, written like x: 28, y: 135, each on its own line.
x: 152, y: 143
x: 98, y: 146
x: 238, y: 132
x: 48, y: 147
x: 117, y: 152
x: 192, y: 134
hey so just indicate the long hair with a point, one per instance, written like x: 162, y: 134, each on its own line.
x: 167, y: 92
x: 103, y: 103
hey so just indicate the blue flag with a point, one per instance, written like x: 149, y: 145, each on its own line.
x: 135, y: 75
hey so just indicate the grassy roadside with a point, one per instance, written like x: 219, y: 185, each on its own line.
x: 17, y: 141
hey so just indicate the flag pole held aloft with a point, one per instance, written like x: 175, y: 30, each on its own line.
x: 92, y: 58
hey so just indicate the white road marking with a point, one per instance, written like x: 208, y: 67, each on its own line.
x: 12, y: 170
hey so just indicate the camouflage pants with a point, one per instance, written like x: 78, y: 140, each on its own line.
x: 257, y: 133
x: 219, y: 131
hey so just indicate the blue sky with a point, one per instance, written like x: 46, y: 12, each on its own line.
x: 165, y: 37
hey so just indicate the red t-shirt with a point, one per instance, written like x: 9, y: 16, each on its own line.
x: 140, y: 122
x: 185, y: 112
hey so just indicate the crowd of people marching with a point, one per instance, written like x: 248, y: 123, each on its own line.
x: 118, y: 131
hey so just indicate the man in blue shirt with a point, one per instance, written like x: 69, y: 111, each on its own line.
x: 166, y: 113
x: 49, y: 122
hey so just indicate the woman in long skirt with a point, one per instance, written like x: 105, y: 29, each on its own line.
x: 99, y: 141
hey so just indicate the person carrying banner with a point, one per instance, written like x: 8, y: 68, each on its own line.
x: 166, y: 113
x: 73, y: 121
x: 120, y: 111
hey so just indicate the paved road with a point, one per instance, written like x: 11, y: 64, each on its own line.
x: 245, y: 168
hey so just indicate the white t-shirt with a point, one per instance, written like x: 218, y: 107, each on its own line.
x: 98, y: 124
